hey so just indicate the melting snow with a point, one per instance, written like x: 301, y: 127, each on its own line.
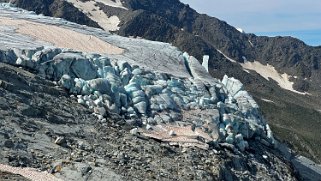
x: 240, y: 30
x: 107, y: 23
x: 230, y: 59
x: 268, y: 71
x: 267, y: 100
x: 113, y: 3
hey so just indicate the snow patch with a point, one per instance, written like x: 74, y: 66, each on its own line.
x: 107, y: 23
x: 240, y: 30
x: 230, y: 59
x: 268, y: 71
x: 112, y: 3
x: 267, y: 100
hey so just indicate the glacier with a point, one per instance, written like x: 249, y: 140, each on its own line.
x: 147, y: 80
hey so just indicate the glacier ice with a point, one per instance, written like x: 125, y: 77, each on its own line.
x: 152, y: 81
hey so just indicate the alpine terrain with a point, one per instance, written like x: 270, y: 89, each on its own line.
x: 151, y: 90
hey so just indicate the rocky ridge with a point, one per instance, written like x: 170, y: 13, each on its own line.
x: 134, y: 89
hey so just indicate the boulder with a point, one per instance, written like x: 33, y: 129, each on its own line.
x: 134, y: 131
x: 100, y: 111
x: 131, y: 110
x: 166, y: 118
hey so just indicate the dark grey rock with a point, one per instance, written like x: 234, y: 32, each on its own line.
x: 8, y: 144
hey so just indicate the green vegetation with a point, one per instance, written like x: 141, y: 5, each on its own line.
x: 296, y: 125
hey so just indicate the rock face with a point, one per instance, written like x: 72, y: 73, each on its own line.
x: 149, y: 84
